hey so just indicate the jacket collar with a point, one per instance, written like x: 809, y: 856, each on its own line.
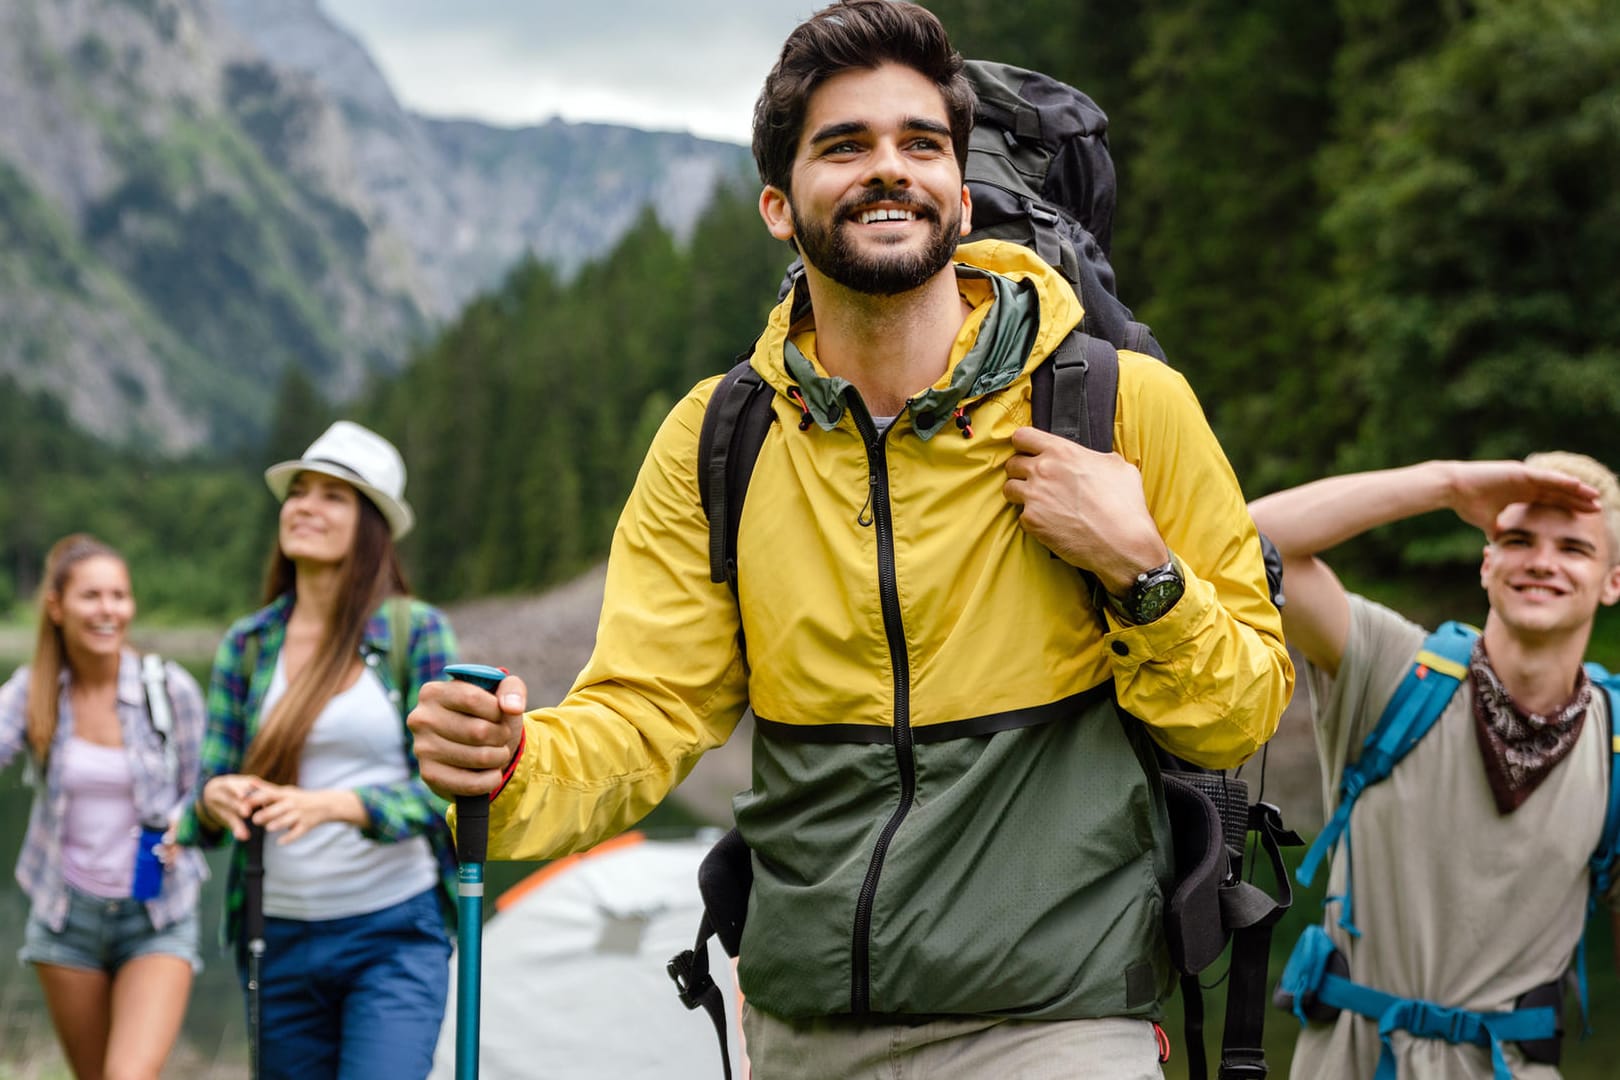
x: 1025, y: 309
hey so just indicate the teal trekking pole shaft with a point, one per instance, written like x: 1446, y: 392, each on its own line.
x: 472, y: 845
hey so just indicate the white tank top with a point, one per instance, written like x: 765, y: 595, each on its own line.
x: 332, y: 871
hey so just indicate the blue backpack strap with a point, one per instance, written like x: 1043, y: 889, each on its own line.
x: 1603, y: 859
x: 1602, y: 864
x: 1309, y: 980
x: 1436, y: 672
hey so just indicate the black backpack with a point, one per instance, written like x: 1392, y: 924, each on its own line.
x: 1040, y: 175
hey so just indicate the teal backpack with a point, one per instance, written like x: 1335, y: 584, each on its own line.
x: 1316, y: 984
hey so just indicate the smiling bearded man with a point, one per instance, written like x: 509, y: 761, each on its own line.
x: 960, y: 842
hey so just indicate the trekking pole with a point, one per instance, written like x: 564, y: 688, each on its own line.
x: 472, y: 844
x: 253, y: 933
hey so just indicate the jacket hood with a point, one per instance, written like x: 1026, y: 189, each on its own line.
x: 1027, y: 308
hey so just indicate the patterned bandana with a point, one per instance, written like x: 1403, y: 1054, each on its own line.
x: 1520, y: 750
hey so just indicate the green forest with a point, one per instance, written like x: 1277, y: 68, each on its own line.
x: 1370, y: 232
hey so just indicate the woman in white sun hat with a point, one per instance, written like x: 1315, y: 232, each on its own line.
x: 306, y: 740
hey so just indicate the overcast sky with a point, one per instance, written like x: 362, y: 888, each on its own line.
x: 668, y: 65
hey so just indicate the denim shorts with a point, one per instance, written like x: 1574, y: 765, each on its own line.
x: 102, y: 934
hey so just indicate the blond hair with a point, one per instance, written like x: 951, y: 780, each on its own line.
x: 1594, y: 473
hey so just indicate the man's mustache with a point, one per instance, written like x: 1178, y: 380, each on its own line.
x: 900, y: 197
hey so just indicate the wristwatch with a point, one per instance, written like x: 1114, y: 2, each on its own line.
x: 1153, y: 593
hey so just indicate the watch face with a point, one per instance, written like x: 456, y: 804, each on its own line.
x: 1156, y: 596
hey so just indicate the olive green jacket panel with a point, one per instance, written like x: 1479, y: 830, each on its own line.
x: 1027, y: 878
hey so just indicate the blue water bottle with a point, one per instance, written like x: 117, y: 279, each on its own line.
x: 148, y: 867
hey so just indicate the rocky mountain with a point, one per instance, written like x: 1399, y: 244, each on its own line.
x: 471, y: 198
x: 196, y: 195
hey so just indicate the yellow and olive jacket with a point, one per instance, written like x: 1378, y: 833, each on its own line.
x: 954, y: 806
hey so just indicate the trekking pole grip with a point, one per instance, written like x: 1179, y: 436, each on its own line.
x: 472, y: 828
x: 472, y: 811
x: 253, y: 882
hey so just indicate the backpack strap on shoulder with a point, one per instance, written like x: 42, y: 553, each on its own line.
x: 1073, y: 393
x: 399, y: 647
x: 734, y: 425
x: 1437, y: 670
x: 1601, y: 866
x: 160, y: 709
x: 1608, y: 849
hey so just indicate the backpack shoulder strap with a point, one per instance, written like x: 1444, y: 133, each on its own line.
x: 160, y: 708
x: 1073, y: 393
x: 1437, y: 670
x: 155, y: 682
x: 734, y: 425
x: 399, y: 645
x: 1601, y: 866
x: 1603, y: 859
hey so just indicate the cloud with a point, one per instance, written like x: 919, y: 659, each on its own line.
x: 694, y: 65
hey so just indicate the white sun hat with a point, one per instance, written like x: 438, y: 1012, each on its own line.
x: 360, y: 457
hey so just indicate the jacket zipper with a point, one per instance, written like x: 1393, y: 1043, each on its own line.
x: 860, y: 993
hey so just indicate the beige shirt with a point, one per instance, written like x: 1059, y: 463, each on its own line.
x: 1457, y: 903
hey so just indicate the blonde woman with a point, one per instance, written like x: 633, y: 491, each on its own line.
x: 115, y: 760
x: 306, y: 739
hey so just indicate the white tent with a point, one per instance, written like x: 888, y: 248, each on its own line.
x: 573, y: 972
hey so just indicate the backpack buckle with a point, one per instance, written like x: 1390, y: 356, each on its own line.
x: 1041, y: 214
x: 691, y: 980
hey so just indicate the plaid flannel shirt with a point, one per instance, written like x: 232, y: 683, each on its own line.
x: 395, y: 811
x: 157, y: 795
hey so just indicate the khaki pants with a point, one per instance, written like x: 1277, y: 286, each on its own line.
x: 953, y: 1048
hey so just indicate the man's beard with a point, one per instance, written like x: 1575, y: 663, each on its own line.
x: 827, y: 246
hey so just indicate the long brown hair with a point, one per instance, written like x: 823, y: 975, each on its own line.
x: 50, y: 650
x: 371, y: 573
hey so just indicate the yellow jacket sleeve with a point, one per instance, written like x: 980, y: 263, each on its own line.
x: 665, y: 683
x: 1211, y: 677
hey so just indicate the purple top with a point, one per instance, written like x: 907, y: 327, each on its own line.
x: 100, y: 829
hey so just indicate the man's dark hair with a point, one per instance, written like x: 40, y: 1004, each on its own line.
x: 853, y: 35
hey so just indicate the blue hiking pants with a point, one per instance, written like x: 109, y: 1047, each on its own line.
x: 353, y: 998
